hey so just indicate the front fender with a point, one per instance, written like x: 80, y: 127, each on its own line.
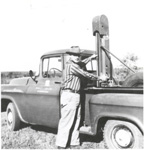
x: 5, y: 100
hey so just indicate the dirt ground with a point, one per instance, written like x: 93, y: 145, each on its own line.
x: 38, y: 137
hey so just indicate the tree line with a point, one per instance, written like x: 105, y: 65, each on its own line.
x: 7, y: 76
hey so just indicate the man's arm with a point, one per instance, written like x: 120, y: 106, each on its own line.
x: 89, y: 58
x: 79, y: 72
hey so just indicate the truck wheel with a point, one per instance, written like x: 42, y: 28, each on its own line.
x: 13, y: 120
x: 122, y: 135
x: 134, y: 80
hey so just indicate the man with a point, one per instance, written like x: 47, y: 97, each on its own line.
x: 68, y: 129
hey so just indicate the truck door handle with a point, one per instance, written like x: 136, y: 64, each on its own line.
x: 57, y: 82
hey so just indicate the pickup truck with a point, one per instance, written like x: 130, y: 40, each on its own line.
x: 115, y: 110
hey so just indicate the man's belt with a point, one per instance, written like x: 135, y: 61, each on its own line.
x: 71, y: 91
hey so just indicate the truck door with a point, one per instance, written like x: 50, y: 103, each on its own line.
x: 43, y: 98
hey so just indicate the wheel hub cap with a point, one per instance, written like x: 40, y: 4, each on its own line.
x: 123, y: 137
x: 10, y: 117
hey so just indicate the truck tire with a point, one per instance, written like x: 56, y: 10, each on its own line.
x: 13, y: 120
x: 122, y: 135
x: 134, y: 80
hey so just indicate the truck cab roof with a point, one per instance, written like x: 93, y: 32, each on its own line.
x: 69, y: 51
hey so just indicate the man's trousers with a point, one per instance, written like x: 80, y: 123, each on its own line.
x: 70, y: 117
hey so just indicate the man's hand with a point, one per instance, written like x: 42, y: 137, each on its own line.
x: 94, y: 77
x: 103, y: 78
x: 85, y: 61
x: 93, y: 56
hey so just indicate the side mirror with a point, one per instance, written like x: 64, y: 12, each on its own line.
x: 31, y: 74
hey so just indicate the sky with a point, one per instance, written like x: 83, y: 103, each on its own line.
x: 29, y: 28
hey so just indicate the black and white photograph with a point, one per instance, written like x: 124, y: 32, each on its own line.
x: 72, y: 74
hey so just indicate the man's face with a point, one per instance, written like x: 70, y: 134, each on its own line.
x: 74, y: 58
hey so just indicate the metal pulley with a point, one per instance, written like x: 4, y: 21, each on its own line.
x: 100, y: 25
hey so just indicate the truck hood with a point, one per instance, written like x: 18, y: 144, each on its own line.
x: 15, y: 85
x: 20, y: 81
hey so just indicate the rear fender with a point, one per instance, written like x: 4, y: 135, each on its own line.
x: 101, y: 120
x: 126, y: 107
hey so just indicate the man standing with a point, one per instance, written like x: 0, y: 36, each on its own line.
x: 68, y: 128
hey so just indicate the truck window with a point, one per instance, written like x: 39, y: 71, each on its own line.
x: 91, y: 65
x: 52, y: 67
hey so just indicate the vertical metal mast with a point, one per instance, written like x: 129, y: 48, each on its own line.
x: 101, y: 33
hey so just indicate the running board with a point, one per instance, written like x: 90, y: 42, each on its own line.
x: 86, y: 130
